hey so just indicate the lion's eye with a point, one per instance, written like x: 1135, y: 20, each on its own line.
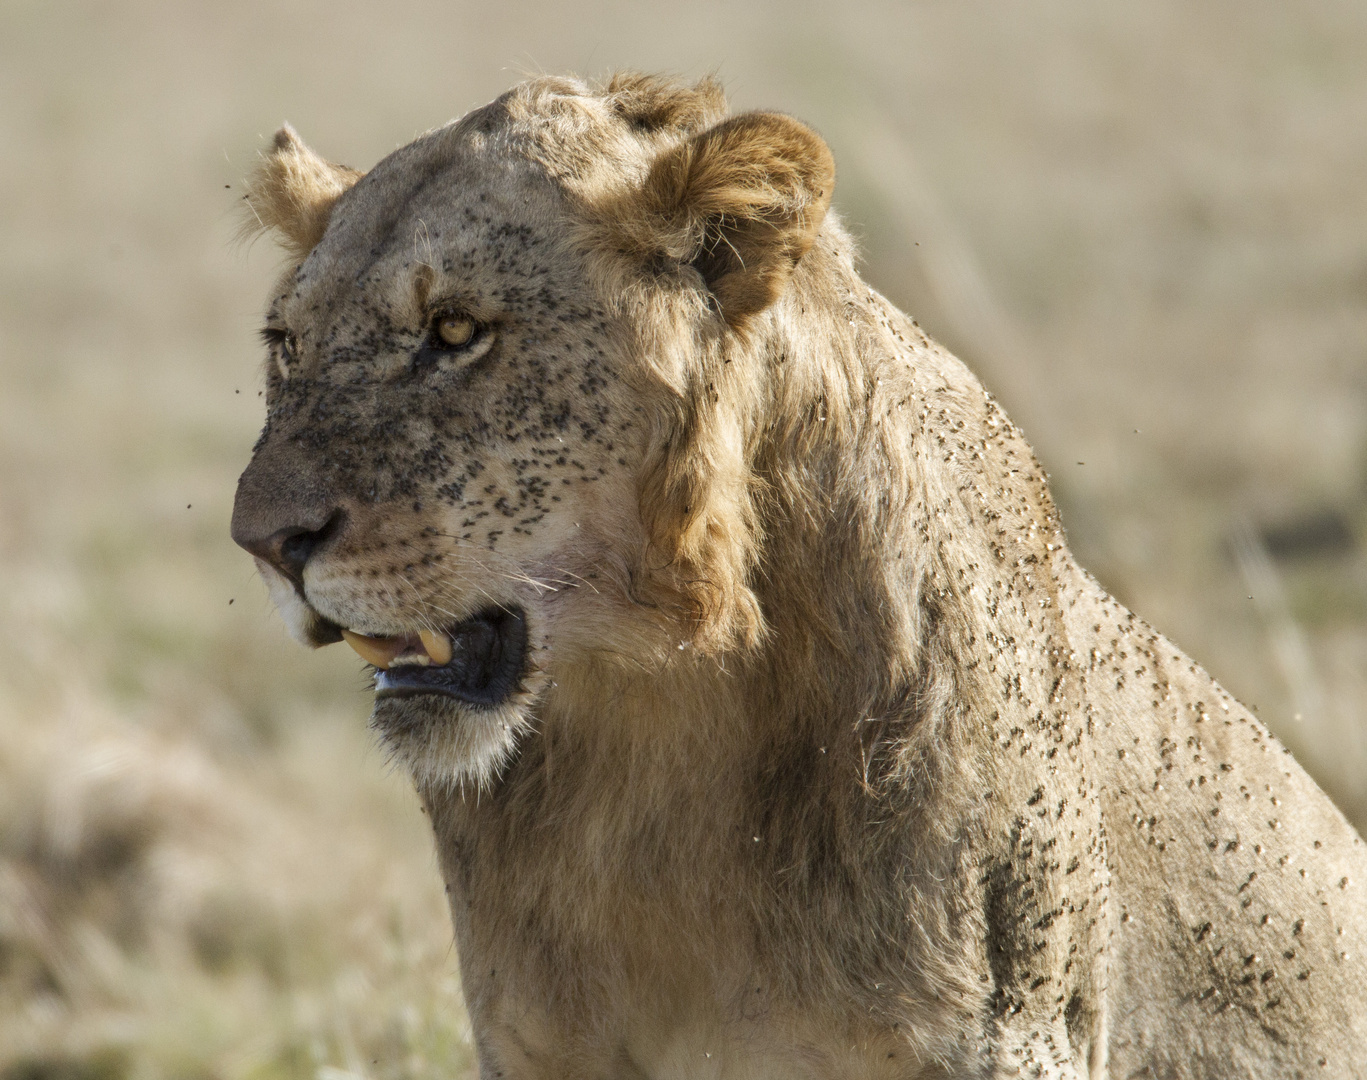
x: 284, y: 345
x: 452, y: 344
x: 455, y: 331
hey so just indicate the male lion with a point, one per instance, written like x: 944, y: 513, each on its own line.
x: 766, y: 724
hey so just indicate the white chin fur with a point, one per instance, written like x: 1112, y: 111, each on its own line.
x: 453, y: 747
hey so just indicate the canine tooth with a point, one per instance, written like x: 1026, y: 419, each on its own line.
x: 438, y: 646
x: 377, y: 651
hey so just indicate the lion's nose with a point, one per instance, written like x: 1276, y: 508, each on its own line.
x: 289, y: 549
x: 284, y: 510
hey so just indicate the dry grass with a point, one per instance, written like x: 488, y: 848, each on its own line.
x: 1146, y: 226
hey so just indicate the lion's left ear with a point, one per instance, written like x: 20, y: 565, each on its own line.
x: 293, y: 191
x: 741, y: 202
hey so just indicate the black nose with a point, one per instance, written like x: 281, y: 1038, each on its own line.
x: 289, y: 549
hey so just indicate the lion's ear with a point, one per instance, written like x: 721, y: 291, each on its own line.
x: 293, y: 191
x: 741, y: 202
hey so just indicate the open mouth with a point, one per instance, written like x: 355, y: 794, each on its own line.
x: 478, y: 661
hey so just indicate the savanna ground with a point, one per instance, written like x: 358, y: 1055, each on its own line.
x: 1145, y: 225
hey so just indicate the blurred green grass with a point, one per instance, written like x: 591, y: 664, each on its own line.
x: 1145, y: 226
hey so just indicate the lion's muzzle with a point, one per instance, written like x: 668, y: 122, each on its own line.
x: 287, y: 517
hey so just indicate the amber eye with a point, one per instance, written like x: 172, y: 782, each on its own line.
x: 455, y: 330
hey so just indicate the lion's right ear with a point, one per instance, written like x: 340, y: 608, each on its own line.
x: 293, y: 191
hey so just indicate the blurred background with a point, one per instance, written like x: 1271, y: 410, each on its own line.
x: 1144, y: 225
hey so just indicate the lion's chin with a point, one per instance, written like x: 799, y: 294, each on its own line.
x: 447, y: 743
x: 459, y: 723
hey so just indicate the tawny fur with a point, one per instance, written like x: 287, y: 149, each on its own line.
x: 828, y: 760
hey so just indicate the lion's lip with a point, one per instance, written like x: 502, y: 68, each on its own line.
x: 478, y: 661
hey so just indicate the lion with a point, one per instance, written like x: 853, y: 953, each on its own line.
x: 766, y: 724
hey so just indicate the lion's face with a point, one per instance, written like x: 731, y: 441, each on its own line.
x: 446, y: 410
x: 461, y: 417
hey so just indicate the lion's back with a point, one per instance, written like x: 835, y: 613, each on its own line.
x: 1237, y: 885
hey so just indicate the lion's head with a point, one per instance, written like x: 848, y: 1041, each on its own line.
x: 517, y: 373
